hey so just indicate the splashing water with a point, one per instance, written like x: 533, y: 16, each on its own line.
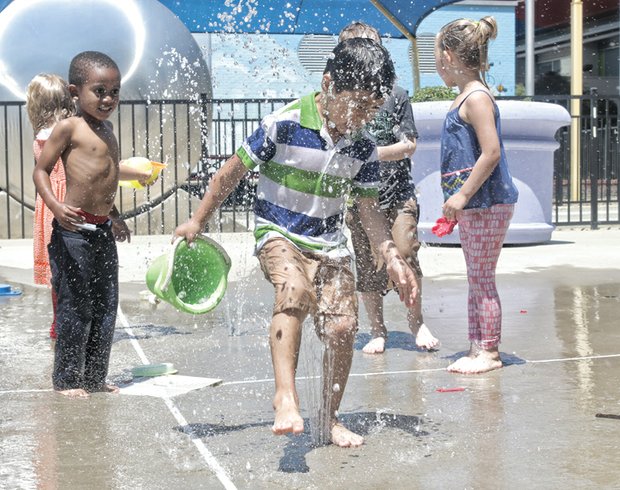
x: 179, y: 68
x: 315, y: 360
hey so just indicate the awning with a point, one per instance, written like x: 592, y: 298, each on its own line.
x: 302, y: 16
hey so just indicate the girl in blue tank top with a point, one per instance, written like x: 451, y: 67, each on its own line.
x: 478, y: 189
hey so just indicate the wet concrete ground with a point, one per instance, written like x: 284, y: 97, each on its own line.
x: 531, y: 424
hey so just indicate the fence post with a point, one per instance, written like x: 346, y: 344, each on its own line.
x: 204, y: 140
x: 204, y: 130
x: 594, y: 160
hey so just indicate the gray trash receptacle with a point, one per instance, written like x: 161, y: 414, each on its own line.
x: 528, y: 131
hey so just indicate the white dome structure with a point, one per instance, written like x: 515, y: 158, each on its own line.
x: 156, y: 53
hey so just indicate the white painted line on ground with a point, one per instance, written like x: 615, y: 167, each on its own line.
x: 584, y: 358
x: 132, y: 338
x: 389, y: 373
x: 11, y: 392
x: 414, y: 371
x: 213, y: 464
x: 219, y: 471
x: 352, y: 375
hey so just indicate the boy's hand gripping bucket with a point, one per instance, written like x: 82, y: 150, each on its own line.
x: 192, y: 278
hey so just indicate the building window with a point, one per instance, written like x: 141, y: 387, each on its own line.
x: 610, y: 62
x: 550, y: 66
x: 426, y: 54
x: 314, y: 51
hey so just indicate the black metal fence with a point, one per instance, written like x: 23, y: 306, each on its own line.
x: 196, y: 136
x: 592, y: 198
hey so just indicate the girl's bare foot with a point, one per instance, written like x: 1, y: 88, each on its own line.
x: 424, y: 339
x: 480, y: 362
x: 74, y: 393
x: 375, y: 346
x: 287, y: 418
x: 343, y: 437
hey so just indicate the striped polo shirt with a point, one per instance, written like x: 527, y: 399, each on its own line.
x: 305, y: 179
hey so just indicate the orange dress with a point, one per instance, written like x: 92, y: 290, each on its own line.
x: 42, y: 230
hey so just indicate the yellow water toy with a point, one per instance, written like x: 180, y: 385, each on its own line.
x: 144, y: 164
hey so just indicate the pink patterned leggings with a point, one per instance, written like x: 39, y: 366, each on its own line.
x: 482, y: 233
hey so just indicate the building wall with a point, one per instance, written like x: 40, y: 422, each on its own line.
x: 501, y: 50
x: 552, y: 46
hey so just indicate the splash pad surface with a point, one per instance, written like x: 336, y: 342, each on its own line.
x: 560, y: 345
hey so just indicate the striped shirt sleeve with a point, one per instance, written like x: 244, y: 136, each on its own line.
x: 259, y: 147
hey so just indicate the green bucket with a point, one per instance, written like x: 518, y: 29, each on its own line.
x: 192, y: 278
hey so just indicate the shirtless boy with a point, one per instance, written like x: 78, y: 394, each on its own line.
x: 82, y: 250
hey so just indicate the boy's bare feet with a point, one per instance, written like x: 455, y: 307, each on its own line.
x: 287, y: 418
x: 343, y: 437
x: 476, y: 363
x: 74, y: 393
x: 424, y: 339
x: 107, y: 388
x: 375, y: 346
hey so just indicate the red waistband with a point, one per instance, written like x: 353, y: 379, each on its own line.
x: 94, y: 219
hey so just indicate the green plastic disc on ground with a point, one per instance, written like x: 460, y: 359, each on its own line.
x: 150, y: 370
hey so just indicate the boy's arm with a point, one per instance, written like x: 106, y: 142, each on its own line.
x: 119, y: 227
x: 397, y: 151
x: 222, y: 184
x: 58, y: 141
x: 125, y: 172
x: 375, y: 224
x: 404, y: 129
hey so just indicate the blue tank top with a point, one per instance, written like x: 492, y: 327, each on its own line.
x: 460, y: 151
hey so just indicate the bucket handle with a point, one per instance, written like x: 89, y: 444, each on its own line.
x: 171, y: 254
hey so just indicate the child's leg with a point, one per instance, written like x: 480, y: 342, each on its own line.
x: 338, y: 335
x: 54, y: 306
x: 482, y: 235
x: 482, y: 242
x: 370, y: 282
x: 336, y: 324
x: 404, y: 219
x: 291, y: 274
x: 373, y: 304
x: 104, y: 291
x: 71, y: 271
x: 424, y: 338
x: 284, y: 340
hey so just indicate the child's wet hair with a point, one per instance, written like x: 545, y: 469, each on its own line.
x: 361, y: 64
x: 84, y: 62
x: 469, y: 40
x: 359, y: 29
x: 48, y: 100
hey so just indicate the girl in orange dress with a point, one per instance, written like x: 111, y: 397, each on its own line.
x: 47, y: 101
